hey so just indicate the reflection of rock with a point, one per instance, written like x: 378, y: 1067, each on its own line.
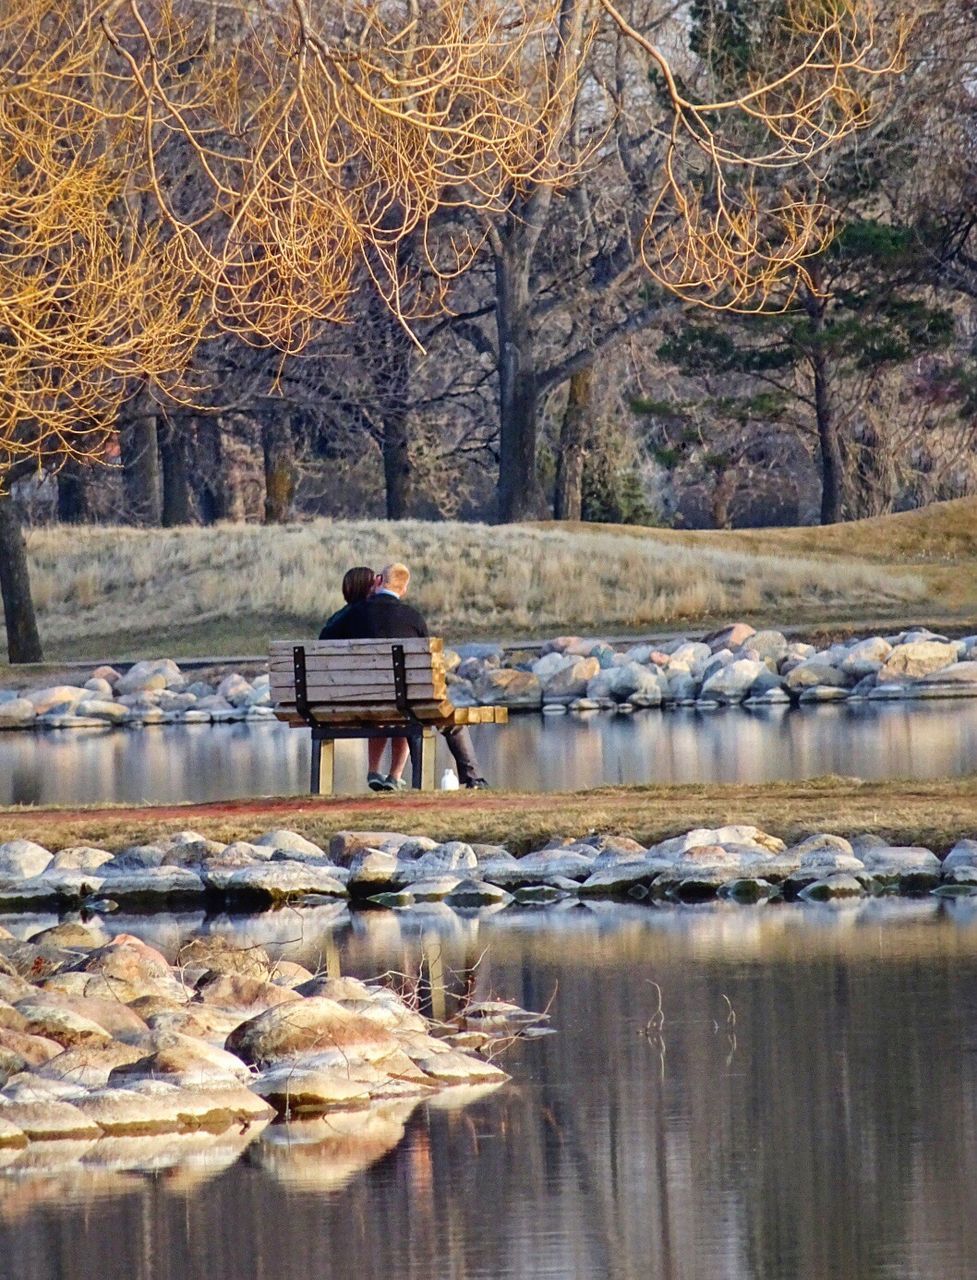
x: 325, y: 1154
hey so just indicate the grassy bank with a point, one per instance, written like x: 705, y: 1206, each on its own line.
x: 934, y: 813
x: 182, y: 592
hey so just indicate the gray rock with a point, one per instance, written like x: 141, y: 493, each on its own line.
x: 271, y: 882
x: 80, y: 858
x: 157, y: 673
x: 748, y: 889
x: 100, y: 688
x: 915, y: 659
x: 99, y: 709
x: 769, y: 644
x: 285, y: 841
x: 823, y: 693
x: 571, y: 681
x: 151, y: 884
x: 509, y: 688
x: 476, y: 893
x: 55, y: 698
x: 866, y: 657
x: 734, y: 681
x: 17, y: 713
x: 619, y: 880
x: 137, y: 857
x: 821, y: 843
x: 963, y: 854
x: 21, y: 859
x: 838, y: 885
x: 453, y: 856
x: 810, y: 673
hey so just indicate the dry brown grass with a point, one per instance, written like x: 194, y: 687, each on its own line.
x: 124, y: 592
x: 932, y: 813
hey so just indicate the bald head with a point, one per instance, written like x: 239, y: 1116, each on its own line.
x: 395, y: 578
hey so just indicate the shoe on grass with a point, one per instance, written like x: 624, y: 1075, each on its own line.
x: 478, y: 784
x: 378, y: 782
x: 396, y: 784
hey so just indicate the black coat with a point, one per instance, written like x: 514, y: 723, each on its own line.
x: 379, y: 617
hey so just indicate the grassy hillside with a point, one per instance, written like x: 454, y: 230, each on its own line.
x: 125, y: 592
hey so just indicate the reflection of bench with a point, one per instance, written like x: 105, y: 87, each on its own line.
x: 368, y: 689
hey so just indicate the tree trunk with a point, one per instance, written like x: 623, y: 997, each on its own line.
x: 397, y: 477
x: 830, y: 446
x: 73, y: 482
x: 279, y: 456
x: 574, y: 435
x: 519, y: 495
x: 177, y: 506
x: 213, y: 498
x: 140, y: 463
x: 23, y: 640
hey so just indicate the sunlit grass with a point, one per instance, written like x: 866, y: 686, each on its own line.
x: 468, y: 578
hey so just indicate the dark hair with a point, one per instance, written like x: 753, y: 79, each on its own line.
x: 357, y: 584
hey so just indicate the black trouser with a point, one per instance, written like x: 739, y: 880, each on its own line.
x: 460, y: 745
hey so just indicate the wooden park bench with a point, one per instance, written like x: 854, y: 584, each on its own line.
x: 368, y: 689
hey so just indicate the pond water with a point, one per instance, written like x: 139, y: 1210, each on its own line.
x: 168, y: 764
x: 807, y: 1111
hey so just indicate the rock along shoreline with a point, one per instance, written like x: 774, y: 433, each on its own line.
x: 385, y: 869
x: 730, y: 667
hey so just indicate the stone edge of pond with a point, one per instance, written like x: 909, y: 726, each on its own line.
x: 733, y: 666
x: 394, y: 871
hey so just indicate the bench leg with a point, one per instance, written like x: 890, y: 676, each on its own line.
x: 429, y: 760
x: 415, y: 744
x: 322, y: 774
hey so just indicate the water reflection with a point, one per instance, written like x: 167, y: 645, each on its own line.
x: 172, y: 763
x: 830, y: 1130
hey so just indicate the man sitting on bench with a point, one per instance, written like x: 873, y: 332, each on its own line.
x: 384, y: 616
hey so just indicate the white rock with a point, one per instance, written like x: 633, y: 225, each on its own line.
x: 59, y: 697
x: 22, y: 859
x: 16, y: 713
x: 732, y: 682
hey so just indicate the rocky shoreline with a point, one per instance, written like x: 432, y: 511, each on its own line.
x: 733, y: 666
x: 385, y: 869
x: 112, y: 1055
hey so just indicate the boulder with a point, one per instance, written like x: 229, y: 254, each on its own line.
x: 153, y: 885
x: 866, y: 657
x: 129, y: 969
x: 734, y: 681
x: 768, y: 645
x: 821, y: 843
x: 232, y: 991
x: 571, y: 680
x: 509, y: 688
x: 284, y: 841
x: 812, y: 672
x: 277, y: 882
x: 59, y: 698
x: 152, y: 674
x: 916, y: 659
x: 957, y: 673
x: 454, y: 855
x: 692, y: 656
x: 837, y: 885
x: 181, y: 1059
x: 33, y: 1050
x: 963, y: 854
x: 730, y: 637
x: 344, y: 845
x: 137, y: 857
x: 60, y: 1023
x: 49, y: 1119
x: 89, y: 1064
x: 99, y: 709
x: 80, y: 858
x: 216, y: 954
x: 17, y: 713
x: 475, y: 893
x: 22, y: 859
x: 298, y: 1089
x: 314, y: 1025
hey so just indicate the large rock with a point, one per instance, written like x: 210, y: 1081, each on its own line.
x: 812, y: 672
x: 99, y: 709
x: 506, y: 687
x: 916, y: 659
x: 90, y: 1064
x: 50, y: 1119
x: 152, y: 885
x: 231, y: 991
x: 298, y: 1089
x: 153, y: 674
x: 216, y: 954
x: 958, y: 673
x: 768, y: 645
x: 128, y: 968
x: 56, y: 698
x: 284, y: 841
x: 17, y: 713
x: 733, y: 682
x: 315, y: 1025
x: 730, y: 637
x: 276, y: 882
x: 22, y: 859
x: 182, y: 1059
x: 60, y: 1023
x: 80, y: 858
x: 838, y: 885
x: 866, y: 657
x: 571, y: 680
